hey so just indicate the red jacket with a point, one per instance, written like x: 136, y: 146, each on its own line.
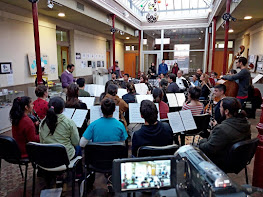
x: 41, y: 107
x: 23, y: 133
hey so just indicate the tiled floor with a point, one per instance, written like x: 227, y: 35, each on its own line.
x: 11, y: 182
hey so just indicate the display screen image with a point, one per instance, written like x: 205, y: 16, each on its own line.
x: 145, y: 174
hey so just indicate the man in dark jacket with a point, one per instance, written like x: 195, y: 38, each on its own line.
x: 153, y: 132
x: 244, y: 80
x: 173, y: 87
x: 233, y: 129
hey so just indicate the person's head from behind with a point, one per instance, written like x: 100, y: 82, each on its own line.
x: 171, y: 78
x: 143, y: 79
x: 161, y: 76
x: 112, y: 89
x: 73, y: 91
x: 148, y: 112
x: 180, y: 73
x: 194, y: 93
x: 233, y: 72
x: 126, y: 77
x: 71, y: 68
x: 41, y: 91
x: 114, y: 75
x: 56, y: 106
x: 219, y: 90
x: 81, y: 82
x: 21, y: 107
x: 199, y: 71
x: 157, y: 95
x: 194, y: 77
x: 163, y: 83
x: 242, y: 62
x: 231, y: 107
x: 107, y: 107
x: 131, y: 87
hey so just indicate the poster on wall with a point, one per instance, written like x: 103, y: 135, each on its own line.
x: 89, y: 63
x: 83, y: 64
x: 92, y: 56
x: 83, y: 55
x: 33, y: 64
x: 93, y: 64
x: 78, y: 56
x: 102, y: 63
x: 98, y: 63
x: 5, y: 67
x: 181, y: 56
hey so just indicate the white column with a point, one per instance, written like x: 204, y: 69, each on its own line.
x: 141, y: 54
x: 205, y: 53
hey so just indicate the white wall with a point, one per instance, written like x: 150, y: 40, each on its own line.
x: 119, y: 53
x: 17, y: 40
x: 89, y: 44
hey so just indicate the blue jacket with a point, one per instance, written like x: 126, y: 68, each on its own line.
x: 163, y: 68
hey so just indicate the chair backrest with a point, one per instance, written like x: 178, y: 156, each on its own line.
x: 145, y: 151
x: 99, y: 155
x: 9, y: 150
x: 47, y: 155
x: 240, y: 155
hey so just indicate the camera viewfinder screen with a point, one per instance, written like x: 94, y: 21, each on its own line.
x: 145, y: 174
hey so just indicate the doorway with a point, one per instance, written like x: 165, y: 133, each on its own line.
x: 131, y: 64
x: 63, y: 58
x: 151, y: 57
x: 219, y: 61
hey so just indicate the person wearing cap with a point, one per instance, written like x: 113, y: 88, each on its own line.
x: 117, y: 69
x: 44, y: 82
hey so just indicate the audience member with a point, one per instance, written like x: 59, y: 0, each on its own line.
x: 43, y: 81
x: 175, y: 69
x: 123, y: 106
x: 181, y: 81
x: 163, y: 107
x: 193, y: 103
x: 152, y: 71
x: 41, y: 105
x: 67, y: 77
x: 173, y: 87
x: 81, y: 84
x: 23, y: 128
x: 117, y: 70
x: 57, y: 128
x: 219, y: 94
x: 195, y: 81
x: 233, y: 129
x: 163, y: 68
x: 205, y: 87
x: 153, y: 132
x: 244, y: 80
x: 97, y: 132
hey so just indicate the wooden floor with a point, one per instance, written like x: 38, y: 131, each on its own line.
x: 11, y: 183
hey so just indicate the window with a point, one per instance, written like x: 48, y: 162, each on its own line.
x: 221, y: 44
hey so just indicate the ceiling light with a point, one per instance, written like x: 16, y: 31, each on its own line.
x: 199, y: 38
x: 230, y: 31
x: 247, y: 17
x: 61, y: 14
x: 174, y: 30
x: 127, y: 38
x: 50, y: 4
x: 202, y: 32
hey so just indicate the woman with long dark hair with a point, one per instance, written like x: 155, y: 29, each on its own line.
x: 23, y: 128
x: 158, y: 98
x: 57, y: 128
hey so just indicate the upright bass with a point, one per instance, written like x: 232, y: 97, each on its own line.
x: 237, y: 56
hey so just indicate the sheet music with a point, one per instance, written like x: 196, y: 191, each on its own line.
x: 188, y: 120
x: 258, y: 77
x: 172, y: 100
x: 68, y: 112
x: 180, y: 99
x: 89, y: 101
x: 141, y: 88
x: 158, y: 115
x: 94, y: 89
x: 134, y: 113
x: 96, y: 113
x: 140, y: 98
x: 121, y: 92
x: 79, y: 117
x: 175, y: 122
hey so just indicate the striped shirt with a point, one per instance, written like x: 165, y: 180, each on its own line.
x: 195, y: 109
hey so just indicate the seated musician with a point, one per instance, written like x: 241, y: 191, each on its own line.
x: 219, y: 93
x: 113, y: 75
x: 233, y: 129
x: 205, y: 87
x: 105, y: 129
x: 244, y: 79
x: 144, y: 79
x: 173, y: 87
x: 193, y: 103
x: 195, y: 81
x: 81, y: 84
x: 181, y: 81
x: 153, y: 132
x: 41, y: 105
x: 125, y: 80
x: 163, y: 107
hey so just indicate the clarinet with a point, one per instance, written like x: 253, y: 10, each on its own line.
x: 35, y: 114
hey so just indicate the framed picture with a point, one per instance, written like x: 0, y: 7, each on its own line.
x: 5, y: 67
x: 98, y: 63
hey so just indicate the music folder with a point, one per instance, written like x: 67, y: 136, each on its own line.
x: 175, y: 99
x: 77, y: 115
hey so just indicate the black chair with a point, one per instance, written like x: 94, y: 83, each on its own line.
x: 52, y: 158
x: 10, y: 152
x: 145, y: 151
x: 99, y: 157
x: 240, y: 156
x: 202, y: 124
